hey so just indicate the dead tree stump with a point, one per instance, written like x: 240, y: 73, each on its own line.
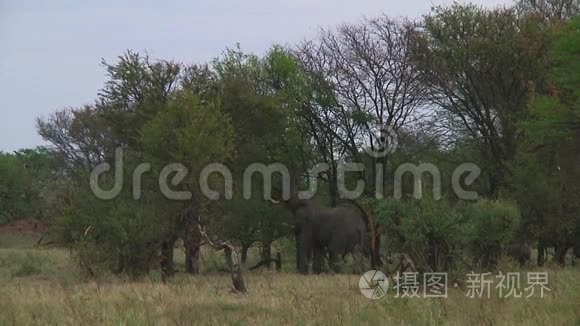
x: 232, y: 257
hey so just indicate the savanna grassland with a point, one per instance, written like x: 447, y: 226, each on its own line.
x: 43, y: 286
x: 459, y: 129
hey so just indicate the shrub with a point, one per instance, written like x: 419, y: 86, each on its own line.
x: 426, y: 229
x: 27, y: 265
x: 125, y: 232
x: 441, y: 236
x: 488, y: 226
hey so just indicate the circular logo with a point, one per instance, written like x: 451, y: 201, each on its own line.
x: 387, y: 143
x: 373, y: 284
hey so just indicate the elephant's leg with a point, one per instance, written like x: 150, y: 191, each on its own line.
x: 305, y: 251
x: 522, y: 260
x: 541, y: 253
x: 168, y: 265
x: 297, y: 240
x: 318, y: 259
x: 332, y: 257
x: 561, y: 254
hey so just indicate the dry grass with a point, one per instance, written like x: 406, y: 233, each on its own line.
x: 48, y: 297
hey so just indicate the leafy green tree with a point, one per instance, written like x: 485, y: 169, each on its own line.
x: 137, y: 89
x: 546, y: 171
x: 488, y: 227
x: 26, y: 179
x: 194, y: 135
x: 443, y: 236
x: 254, y: 95
x: 232, y: 112
x: 133, y: 111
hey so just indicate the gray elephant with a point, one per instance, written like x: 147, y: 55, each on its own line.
x: 520, y: 251
x: 322, y: 231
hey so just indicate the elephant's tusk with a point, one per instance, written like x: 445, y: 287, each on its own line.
x: 275, y: 201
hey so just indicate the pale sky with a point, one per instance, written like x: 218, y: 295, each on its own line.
x: 50, y: 51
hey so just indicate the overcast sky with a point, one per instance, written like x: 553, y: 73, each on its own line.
x: 50, y: 51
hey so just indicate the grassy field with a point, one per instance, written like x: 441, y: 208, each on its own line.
x: 42, y: 286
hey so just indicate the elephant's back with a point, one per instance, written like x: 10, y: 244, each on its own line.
x: 348, y: 214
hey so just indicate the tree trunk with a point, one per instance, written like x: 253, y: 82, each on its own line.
x: 192, y: 244
x: 560, y: 257
x: 266, y: 252
x: 235, y: 269
x: 541, y: 252
x: 167, y: 264
x: 432, y: 253
x: 192, y: 260
x: 245, y: 248
x: 232, y: 258
x: 278, y: 262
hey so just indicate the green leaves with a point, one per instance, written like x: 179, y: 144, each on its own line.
x: 26, y: 177
x: 236, y: 111
x: 546, y: 179
x: 189, y: 132
x: 489, y: 221
x: 428, y: 227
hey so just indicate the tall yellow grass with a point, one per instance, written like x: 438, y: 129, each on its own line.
x: 273, y: 299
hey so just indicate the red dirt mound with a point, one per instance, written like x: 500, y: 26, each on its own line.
x: 25, y: 225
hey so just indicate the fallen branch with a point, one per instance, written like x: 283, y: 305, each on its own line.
x: 38, y: 243
x: 232, y: 257
x: 267, y: 261
x: 83, y: 243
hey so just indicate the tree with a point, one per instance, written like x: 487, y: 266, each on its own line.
x: 366, y: 83
x: 28, y: 176
x: 194, y: 135
x: 138, y: 88
x: 480, y: 67
x: 255, y: 94
x: 132, y: 112
x: 547, y: 175
x: 550, y: 9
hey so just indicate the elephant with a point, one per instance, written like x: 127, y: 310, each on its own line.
x: 322, y: 231
x: 520, y: 251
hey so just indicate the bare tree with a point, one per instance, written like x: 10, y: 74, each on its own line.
x: 481, y: 66
x: 78, y: 137
x: 374, y: 85
x: 551, y: 9
x: 232, y: 257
